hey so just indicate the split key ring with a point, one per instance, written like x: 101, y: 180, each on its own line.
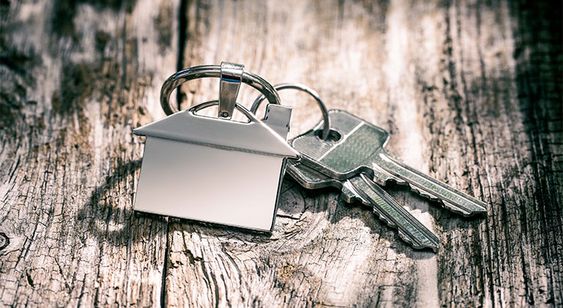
x: 231, y: 75
x: 300, y: 87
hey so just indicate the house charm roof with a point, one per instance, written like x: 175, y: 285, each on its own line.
x: 186, y: 126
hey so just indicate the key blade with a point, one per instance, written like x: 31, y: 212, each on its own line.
x: 389, y: 211
x: 366, y: 191
x: 452, y: 199
x: 360, y: 149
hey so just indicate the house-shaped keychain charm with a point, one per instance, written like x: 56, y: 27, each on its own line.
x: 213, y: 169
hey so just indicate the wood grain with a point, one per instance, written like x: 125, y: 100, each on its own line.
x: 77, y: 77
x: 470, y: 90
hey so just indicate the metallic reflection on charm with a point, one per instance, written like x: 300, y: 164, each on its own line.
x: 214, y: 169
x: 185, y: 153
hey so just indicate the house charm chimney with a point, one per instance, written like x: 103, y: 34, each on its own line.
x: 214, y: 169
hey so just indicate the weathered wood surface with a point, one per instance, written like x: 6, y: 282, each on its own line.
x: 471, y: 91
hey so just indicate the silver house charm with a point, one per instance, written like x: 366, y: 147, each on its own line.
x: 213, y: 169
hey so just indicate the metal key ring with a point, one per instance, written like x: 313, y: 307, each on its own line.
x: 214, y: 71
x: 300, y: 87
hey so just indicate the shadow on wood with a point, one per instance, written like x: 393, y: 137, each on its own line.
x: 123, y: 218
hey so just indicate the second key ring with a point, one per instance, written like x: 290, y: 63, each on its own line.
x: 303, y: 88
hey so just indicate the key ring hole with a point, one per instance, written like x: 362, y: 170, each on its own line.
x: 333, y: 135
x: 215, y: 103
x: 209, y: 109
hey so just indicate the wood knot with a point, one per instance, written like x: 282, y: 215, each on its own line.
x: 4, y: 241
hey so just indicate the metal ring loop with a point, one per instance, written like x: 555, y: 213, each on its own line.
x: 215, y: 102
x: 300, y: 87
x: 214, y: 71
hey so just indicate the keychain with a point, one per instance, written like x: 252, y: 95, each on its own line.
x: 347, y: 153
x: 199, y: 167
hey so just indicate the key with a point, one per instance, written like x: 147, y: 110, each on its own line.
x: 361, y: 188
x: 358, y: 147
x: 358, y: 188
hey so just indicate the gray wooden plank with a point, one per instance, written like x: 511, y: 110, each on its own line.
x: 77, y: 77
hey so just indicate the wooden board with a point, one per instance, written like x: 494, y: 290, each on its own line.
x: 471, y: 92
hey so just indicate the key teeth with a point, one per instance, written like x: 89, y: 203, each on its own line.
x: 385, y: 178
x: 386, y: 220
x: 416, y: 245
x: 424, y: 194
x: 349, y: 196
x: 462, y: 212
x: 445, y: 204
x: 384, y: 181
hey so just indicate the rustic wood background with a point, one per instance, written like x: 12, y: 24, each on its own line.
x: 471, y: 91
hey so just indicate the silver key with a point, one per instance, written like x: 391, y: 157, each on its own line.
x: 361, y: 188
x: 358, y: 147
x: 357, y: 188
